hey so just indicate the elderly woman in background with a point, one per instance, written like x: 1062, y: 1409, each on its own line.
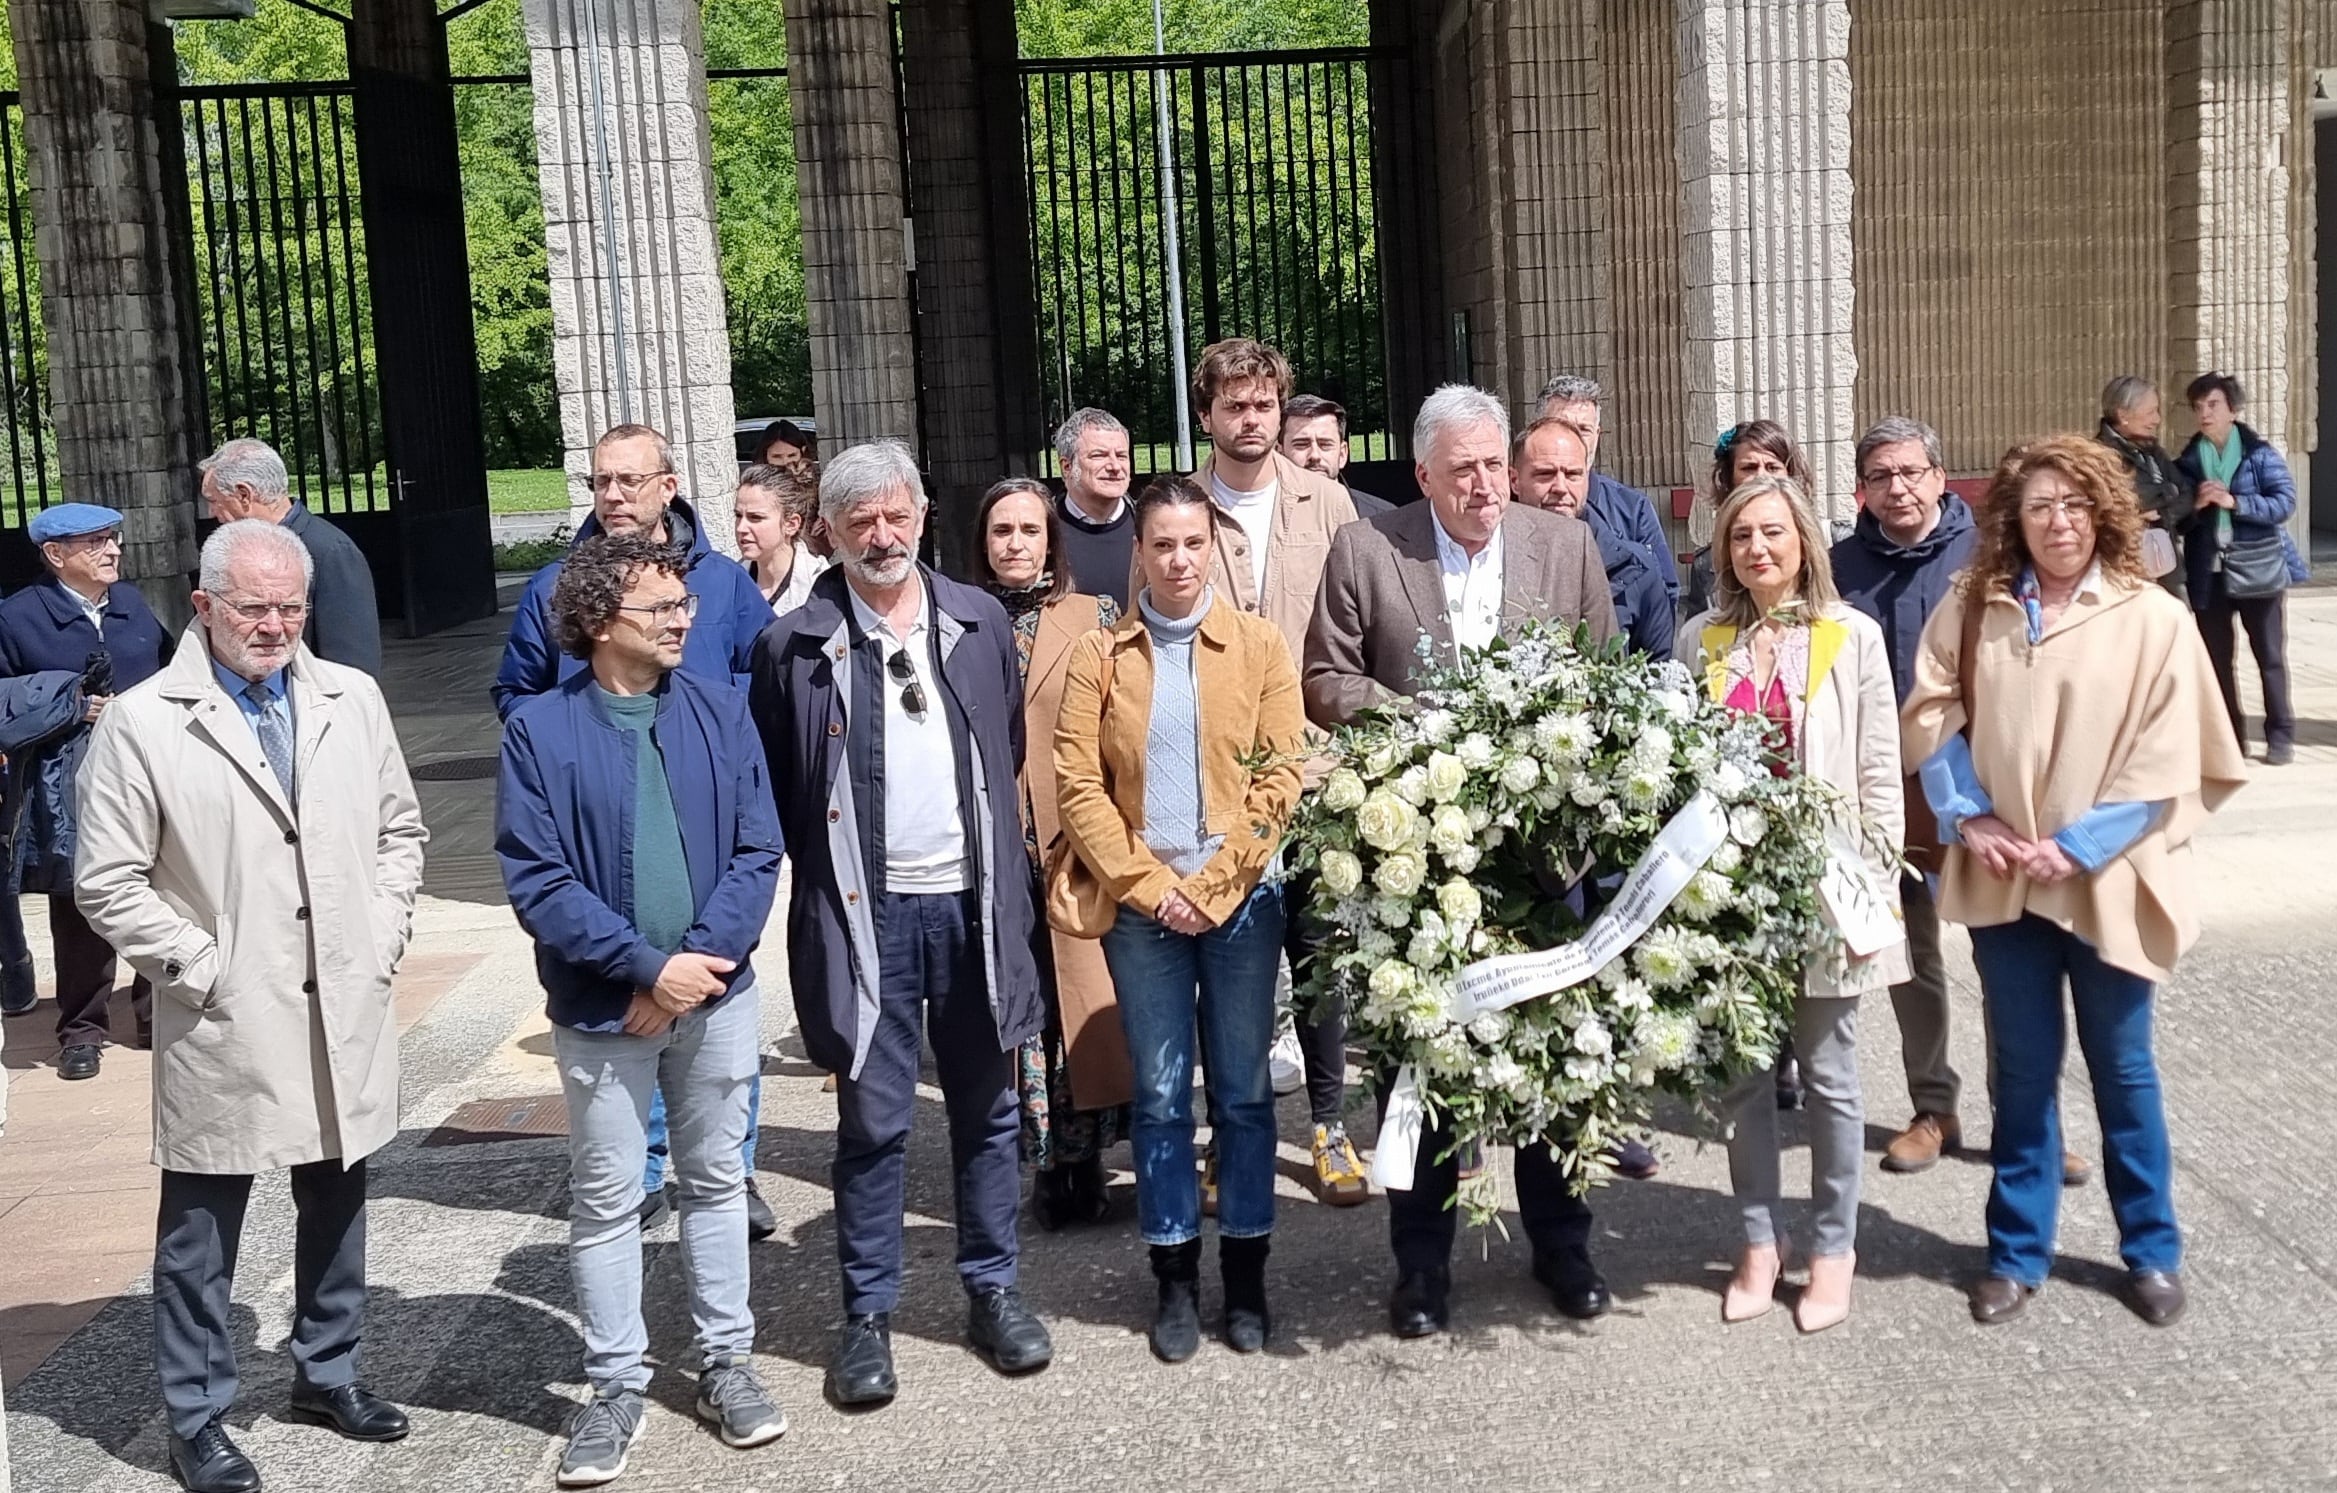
x: 1780, y: 643
x: 2131, y: 415
x: 2070, y: 745
x: 775, y: 507
x: 1177, y: 751
x: 2242, y: 561
x: 1073, y: 1077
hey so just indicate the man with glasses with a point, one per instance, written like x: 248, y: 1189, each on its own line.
x: 890, y: 706
x: 635, y: 491
x: 634, y: 824
x: 246, y: 479
x: 91, y: 631
x: 250, y: 842
x: 1614, y: 508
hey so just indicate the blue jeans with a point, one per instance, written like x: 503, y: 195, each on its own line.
x: 1226, y: 976
x: 707, y: 1059
x: 2023, y: 969
x: 653, y: 1175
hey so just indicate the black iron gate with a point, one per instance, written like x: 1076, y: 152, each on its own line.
x: 1271, y: 189
x: 24, y: 384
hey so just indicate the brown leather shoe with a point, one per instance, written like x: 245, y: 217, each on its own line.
x: 2076, y: 1171
x: 1995, y: 1299
x: 2156, y: 1296
x: 1919, y: 1147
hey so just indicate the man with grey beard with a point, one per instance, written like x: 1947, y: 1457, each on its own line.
x: 890, y: 707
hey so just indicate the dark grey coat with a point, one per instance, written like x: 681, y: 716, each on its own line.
x: 344, y: 621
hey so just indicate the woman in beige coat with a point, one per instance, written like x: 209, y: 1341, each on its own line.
x: 1779, y: 642
x: 2069, y: 762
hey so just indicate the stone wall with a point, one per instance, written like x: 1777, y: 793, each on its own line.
x: 639, y: 325
x: 117, y: 389
x: 1647, y: 406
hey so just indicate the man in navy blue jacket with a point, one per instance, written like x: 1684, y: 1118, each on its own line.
x: 1612, y: 507
x: 84, y: 613
x: 1549, y: 468
x: 640, y: 848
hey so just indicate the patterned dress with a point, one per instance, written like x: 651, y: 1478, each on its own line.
x: 1053, y: 1133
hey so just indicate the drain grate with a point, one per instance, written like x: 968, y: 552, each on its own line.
x: 453, y: 770
x: 534, y: 1117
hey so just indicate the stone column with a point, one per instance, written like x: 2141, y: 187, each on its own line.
x: 1765, y: 227
x: 857, y: 258
x: 2234, y: 81
x: 117, y: 384
x: 639, y: 325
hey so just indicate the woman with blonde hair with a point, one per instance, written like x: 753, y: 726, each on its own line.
x: 1780, y: 643
x: 2071, y: 741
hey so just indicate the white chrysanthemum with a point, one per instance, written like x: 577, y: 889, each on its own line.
x: 1341, y: 872
x: 1491, y: 1027
x: 1644, y: 789
x: 1448, y: 829
x: 1446, y: 777
x: 1437, y: 726
x: 1747, y: 825
x: 1449, y: 1055
x: 1705, y: 895
x: 1664, y: 1040
x: 1385, y: 821
x: 1475, y: 751
x: 1520, y: 774
x: 1412, y: 785
x: 1343, y: 790
x: 1632, y: 994
x: 1662, y: 958
x: 1564, y: 738
x: 1461, y: 905
x: 1653, y: 745
x: 1400, y: 875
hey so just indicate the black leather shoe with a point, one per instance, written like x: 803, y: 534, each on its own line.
x: 2156, y: 1296
x: 655, y: 1206
x: 1422, y: 1304
x: 1005, y: 1332
x: 762, y: 1223
x: 18, y: 996
x: 1576, y: 1288
x: 352, y: 1412
x: 1996, y: 1299
x: 78, y: 1061
x: 861, y: 1373
x: 210, y: 1463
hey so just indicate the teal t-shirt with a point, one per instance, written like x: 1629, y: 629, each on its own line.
x: 662, y: 909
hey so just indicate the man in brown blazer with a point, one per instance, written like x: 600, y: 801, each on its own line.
x: 1462, y: 568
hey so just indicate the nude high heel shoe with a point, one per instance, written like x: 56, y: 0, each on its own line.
x: 1753, y: 1289
x: 1825, y: 1302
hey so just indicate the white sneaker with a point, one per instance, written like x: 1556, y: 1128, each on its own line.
x: 1286, y: 1063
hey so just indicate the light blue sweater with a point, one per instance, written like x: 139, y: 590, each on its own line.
x: 1175, y: 817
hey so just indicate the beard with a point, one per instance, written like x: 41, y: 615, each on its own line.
x: 881, y: 565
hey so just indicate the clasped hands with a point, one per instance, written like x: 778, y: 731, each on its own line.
x: 688, y: 981
x: 2003, y: 852
x: 1177, y: 914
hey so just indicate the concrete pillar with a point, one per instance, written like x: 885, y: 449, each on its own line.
x: 857, y: 258
x: 639, y: 326
x: 117, y: 384
x: 1764, y: 90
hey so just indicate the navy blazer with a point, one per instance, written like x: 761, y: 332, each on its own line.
x: 564, y: 808
x: 42, y: 627
x: 344, y: 618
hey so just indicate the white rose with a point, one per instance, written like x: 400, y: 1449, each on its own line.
x: 1384, y: 821
x: 1446, y: 777
x: 1342, y: 873
x: 1412, y: 785
x: 1460, y: 903
x: 1343, y: 791
x: 1400, y: 875
x: 1391, y: 981
x: 1448, y: 829
x: 1476, y: 751
x: 1520, y: 774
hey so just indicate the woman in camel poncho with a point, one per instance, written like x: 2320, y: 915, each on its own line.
x: 2069, y: 786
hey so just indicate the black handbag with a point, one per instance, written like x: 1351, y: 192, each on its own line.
x: 2255, y: 567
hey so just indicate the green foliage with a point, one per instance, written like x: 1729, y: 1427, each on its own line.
x: 1090, y: 28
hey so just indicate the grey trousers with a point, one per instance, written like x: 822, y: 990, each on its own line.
x: 1922, y: 1006
x: 1825, y: 1038
x: 195, y: 1243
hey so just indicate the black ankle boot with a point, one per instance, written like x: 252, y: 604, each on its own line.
x: 1176, y: 1328
x: 1243, y: 1265
x: 1089, y: 1199
x: 1051, y: 1198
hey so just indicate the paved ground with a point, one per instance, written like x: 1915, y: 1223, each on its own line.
x: 472, y: 1324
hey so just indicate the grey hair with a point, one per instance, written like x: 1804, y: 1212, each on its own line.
x: 1448, y: 409
x: 1890, y: 431
x: 229, y: 542
x: 1071, y: 432
x: 1572, y: 388
x: 2125, y: 392
x: 249, y: 462
x: 864, y: 473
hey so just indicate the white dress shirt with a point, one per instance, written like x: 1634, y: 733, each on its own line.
x: 1472, y: 587
x: 924, y: 826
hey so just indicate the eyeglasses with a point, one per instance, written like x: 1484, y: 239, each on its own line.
x: 1883, y: 477
x: 905, y: 675
x: 2077, y: 510
x: 663, y: 612
x: 257, y: 612
x: 103, y: 539
x: 631, y: 482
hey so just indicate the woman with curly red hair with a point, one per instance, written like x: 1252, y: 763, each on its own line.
x: 2071, y: 741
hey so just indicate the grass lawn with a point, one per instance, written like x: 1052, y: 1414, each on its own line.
x: 527, y: 491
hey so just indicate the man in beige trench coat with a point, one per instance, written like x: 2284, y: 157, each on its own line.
x: 251, y: 843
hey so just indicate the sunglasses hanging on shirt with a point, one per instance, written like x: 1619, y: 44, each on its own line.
x: 905, y: 675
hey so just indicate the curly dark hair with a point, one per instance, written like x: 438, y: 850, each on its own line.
x: 595, y: 579
x: 2087, y: 465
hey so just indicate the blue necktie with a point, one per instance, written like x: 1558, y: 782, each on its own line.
x: 275, y: 734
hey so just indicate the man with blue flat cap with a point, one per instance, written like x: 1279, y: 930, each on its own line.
x: 86, y: 629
